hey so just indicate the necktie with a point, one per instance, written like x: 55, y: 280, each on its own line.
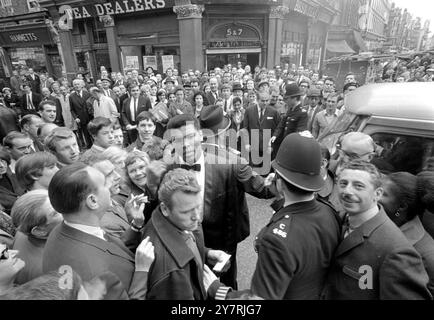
x: 191, y: 244
x: 346, y: 228
x: 226, y: 105
x: 29, y: 102
x: 261, y: 115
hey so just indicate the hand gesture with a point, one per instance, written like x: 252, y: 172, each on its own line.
x: 134, y: 209
x: 145, y: 255
x: 217, y: 256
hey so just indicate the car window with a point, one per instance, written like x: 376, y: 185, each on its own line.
x: 396, y: 153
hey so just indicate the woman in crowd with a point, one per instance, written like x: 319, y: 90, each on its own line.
x: 136, y: 164
x: 34, y: 218
x: 199, y: 100
x: 161, y: 113
x: 402, y: 204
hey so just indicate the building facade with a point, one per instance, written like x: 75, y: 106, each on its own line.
x: 189, y: 34
x: 27, y: 38
x: 373, y: 20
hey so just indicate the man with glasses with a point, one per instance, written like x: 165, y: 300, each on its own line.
x: 17, y: 144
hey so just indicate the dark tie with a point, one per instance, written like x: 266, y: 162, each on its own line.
x: 194, y: 167
x: 226, y: 105
x: 261, y: 115
x: 135, y: 107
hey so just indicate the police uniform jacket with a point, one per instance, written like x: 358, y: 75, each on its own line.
x: 295, y: 251
x: 295, y: 120
x: 376, y: 262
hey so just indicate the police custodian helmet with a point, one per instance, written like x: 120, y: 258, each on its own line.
x: 298, y: 162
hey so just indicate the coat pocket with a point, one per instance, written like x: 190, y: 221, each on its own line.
x: 351, y: 272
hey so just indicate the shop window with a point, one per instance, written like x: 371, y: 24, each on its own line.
x: 292, y: 53
x: 79, y: 34
x: 29, y: 58
x: 98, y: 30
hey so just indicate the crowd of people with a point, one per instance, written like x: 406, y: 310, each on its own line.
x: 134, y: 186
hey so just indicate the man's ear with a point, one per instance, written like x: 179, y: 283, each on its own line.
x: 39, y: 232
x: 378, y: 194
x: 164, y: 209
x: 92, y: 202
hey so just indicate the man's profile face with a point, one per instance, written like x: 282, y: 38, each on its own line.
x: 32, y: 127
x: 20, y: 147
x: 357, y: 192
x: 186, y: 212
x: 67, y: 150
x: 118, y: 137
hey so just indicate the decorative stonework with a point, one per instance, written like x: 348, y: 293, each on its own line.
x: 107, y: 21
x: 189, y: 11
x: 278, y: 12
x: 54, y: 30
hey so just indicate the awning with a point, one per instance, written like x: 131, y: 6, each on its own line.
x: 359, y: 40
x: 339, y: 46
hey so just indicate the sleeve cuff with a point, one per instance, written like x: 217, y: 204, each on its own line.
x: 222, y: 292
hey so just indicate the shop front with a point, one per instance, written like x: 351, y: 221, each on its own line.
x: 30, y: 46
x: 232, y: 42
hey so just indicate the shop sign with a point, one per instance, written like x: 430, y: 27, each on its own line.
x: 111, y: 8
x: 234, y: 35
x: 132, y: 62
x: 234, y: 44
x: 306, y: 8
x: 33, y: 36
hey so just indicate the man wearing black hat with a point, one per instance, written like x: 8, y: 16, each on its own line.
x: 296, y: 248
x: 295, y: 119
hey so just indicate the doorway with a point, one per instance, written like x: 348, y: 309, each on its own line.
x: 219, y: 59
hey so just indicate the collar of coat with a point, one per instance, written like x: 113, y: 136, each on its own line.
x: 172, y: 238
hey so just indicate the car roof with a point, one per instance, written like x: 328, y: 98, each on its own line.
x: 409, y: 100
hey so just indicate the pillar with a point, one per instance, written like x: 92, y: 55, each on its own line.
x: 190, y: 35
x: 275, y: 31
x: 67, y: 54
x: 307, y: 44
x: 112, y: 42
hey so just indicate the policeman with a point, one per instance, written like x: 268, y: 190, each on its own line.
x: 295, y: 119
x: 296, y: 247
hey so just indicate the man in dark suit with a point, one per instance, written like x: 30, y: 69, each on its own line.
x: 178, y: 271
x: 34, y: 81
x: 30, y: 100
x: 131, y: 108
x: 295, y: 119
x: 258, y: 119
x: 214, y: 94
x: 80, y: 243
x: 8, y: 121
x: 11, y: 99
x: 224, y: 178
x: 79, y: 110
x: 374, y: 261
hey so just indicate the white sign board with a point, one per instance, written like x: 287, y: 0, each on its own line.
x: 150, y: 61
x: 168, y: 62
x: 131, y: 62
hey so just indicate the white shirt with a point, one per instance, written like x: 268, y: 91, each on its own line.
x: 105, y: 108
x: 93, y: 231
x: 132, y: 110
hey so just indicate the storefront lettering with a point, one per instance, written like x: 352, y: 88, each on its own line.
x: 306, y: 9
x: 23, y: 37
x: 111, y: 8
x: 234, y: 32
x: 233, y: 44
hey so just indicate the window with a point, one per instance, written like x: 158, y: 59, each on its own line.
x: 403, y: 153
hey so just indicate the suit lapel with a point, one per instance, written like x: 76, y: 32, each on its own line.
x: 358, y: 236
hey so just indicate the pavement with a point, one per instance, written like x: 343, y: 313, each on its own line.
x: 260, y: 214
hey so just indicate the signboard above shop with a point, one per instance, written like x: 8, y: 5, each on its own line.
x: 37, y: 36
x: 112, y: 7
x: 234, y: 35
